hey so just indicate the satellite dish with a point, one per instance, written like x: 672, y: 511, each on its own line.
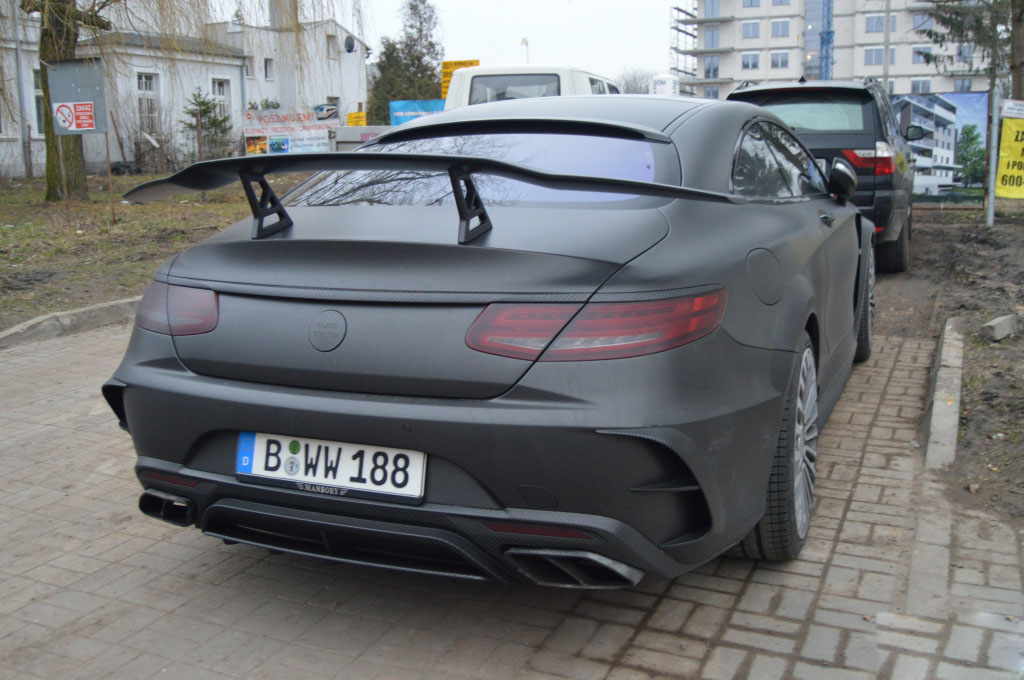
x: 350, y: 44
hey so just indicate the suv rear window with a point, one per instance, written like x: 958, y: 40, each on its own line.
x: 485, y: 89
x: 819, y: 110
x: 562, y: 154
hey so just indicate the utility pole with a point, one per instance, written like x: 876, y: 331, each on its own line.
x: 885, y: 48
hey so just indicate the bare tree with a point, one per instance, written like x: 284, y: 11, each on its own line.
x: 635, y: 81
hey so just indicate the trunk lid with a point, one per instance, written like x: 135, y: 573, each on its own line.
x: 405, y: 290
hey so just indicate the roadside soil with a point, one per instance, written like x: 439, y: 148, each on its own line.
x: 961, y: 268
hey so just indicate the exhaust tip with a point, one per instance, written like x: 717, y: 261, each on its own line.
x: 573, y: 568
x: 164, y: 506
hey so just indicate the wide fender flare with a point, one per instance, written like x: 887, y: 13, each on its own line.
x: 799, y: 304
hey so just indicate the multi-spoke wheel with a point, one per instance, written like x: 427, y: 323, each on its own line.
x: 866, y: 328
x: 783, y: 529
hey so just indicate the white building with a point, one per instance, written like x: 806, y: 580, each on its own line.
x: 150, y: 76
x: 771, y: 40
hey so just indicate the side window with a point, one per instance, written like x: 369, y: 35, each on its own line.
x: 801, y: 172
x: 612, y: 89
x: 754, y: 169
x: 597, y: 86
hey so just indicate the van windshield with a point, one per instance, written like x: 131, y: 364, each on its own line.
x: 496, y: 88
x: 562, y: 154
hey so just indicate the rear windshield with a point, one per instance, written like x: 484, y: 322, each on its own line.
x: 563, y: 154
x: 820, y: 111
x: 485, y: 89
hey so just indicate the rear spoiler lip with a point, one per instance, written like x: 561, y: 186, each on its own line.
x: 210, y: 175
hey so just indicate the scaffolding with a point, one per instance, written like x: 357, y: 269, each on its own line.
x: 682, y: 43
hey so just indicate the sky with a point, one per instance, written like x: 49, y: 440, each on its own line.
x: 601, y: 36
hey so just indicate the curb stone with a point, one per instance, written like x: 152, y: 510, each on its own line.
x: 73, y: 321
x: 943, y: 408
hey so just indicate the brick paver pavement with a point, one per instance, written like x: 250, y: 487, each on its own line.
x: 893, y: 583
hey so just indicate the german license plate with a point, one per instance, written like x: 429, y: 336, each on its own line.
x: 331, y: 467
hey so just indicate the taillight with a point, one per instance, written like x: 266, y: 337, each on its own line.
x: 177, y: 310
x: 881, y: 160
x: 613, y: 330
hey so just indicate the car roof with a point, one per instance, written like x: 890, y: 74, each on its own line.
x: 650, y: 111
x: 806, y: 85
x: 513, y: 69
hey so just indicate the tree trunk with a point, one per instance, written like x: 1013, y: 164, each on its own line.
x: 1017, y: 48
x: 65, y: 161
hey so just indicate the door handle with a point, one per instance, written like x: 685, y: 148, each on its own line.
x: 827, y: 218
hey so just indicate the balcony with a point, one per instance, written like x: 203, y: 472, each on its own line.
x: 926, y: 123
x: 925, y: 143
x: 705, y: 20
x: 699, y: 51
x: 706, y: 81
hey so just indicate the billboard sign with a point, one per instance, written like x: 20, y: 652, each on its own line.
x: 76, y: 96
x: 1010, y: 171
x: 285, y: 131
x: 404, y: 110
x: 448, y: 68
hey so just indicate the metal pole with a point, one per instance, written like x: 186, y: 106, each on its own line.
x: 885, y: 48
x: 110, y: 179
x: 26, y: 138
x: 993, y: 157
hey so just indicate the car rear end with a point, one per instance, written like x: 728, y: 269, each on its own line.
x: 364, y: 388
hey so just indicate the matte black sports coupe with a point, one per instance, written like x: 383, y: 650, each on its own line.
x: 568, y: 340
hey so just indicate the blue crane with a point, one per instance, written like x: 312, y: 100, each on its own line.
x: 827, y: 35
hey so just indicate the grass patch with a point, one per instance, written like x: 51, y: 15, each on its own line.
x: 53, y: 258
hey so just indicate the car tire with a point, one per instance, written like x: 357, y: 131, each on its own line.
x: 895, y: 257
x: 866, y: 325
x: 782, y: 530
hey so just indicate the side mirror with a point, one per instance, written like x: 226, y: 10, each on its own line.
x: 842, y: 180
x: 914, y: 133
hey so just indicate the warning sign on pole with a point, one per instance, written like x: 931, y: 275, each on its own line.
x: 76, y: 93
x: 1010, y: 172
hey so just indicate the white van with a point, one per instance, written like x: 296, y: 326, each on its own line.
x: 481, y: 84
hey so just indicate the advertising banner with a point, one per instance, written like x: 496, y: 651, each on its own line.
x: 448, y: 68
x: 1010, y: 172
x: 407, y: 109
x: 356, y: 119
x: 285, y: 131
x: 76, y: 95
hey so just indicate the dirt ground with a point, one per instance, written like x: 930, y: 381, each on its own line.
x: 961, y: 268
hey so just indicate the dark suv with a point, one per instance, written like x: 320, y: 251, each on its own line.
x: 854, y: 120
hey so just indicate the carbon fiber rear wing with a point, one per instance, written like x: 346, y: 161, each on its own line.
x: 473, y: 219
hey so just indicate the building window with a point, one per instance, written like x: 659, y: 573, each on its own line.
x: 964, y: 53
x: 923, y: 86
x: 750, y: 62
x: 873, y: 23
x: 892, y: 87
x: 873, y: 56
x: 711, y: 36
x: 712, y: 8
x: 268, y: 69
x: 752, y: 29
x: 37, y: 80
x: 146, y: 86
x: 919, y: 54
x: 923, y: 22
x: 222, y: 95
x: 711, y: 93
x: 333, y: 48
x: 751, y: 3
x: 711, y: 67
x: 780, y: 29
x: 961, y: 84
x: 780, y: 59
x: 780, y: 2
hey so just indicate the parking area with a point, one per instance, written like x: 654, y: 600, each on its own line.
x: 893, y: 583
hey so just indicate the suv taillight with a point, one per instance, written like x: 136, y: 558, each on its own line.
x: 881, y: 160
x: 611, y: 330
x: 177, y: 310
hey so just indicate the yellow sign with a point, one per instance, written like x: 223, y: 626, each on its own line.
x: 448, y: 68
x: 1010, y: 173
x: 357, y: 118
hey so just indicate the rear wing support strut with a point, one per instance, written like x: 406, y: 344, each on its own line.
x: 263, y: 206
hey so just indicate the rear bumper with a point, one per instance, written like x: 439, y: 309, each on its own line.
x: 879, y: 206
x: 661, y: 461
